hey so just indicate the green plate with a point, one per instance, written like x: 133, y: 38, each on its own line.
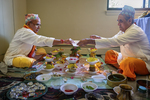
x: 38, y: 93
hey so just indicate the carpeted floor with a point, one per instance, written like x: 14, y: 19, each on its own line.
x: 52, y: 94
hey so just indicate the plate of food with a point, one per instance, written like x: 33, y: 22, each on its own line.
x: 70, y: 73
x: 55, y: 75
x: 31, y: 76
x: 27, y: 90
x: 43, y: 77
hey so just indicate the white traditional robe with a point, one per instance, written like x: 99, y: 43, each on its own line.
x: 23, y: 42
x: 133, y: 43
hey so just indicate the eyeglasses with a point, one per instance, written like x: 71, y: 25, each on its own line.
x: 36, y: 25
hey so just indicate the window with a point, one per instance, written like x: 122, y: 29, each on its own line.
x: 137, y: 4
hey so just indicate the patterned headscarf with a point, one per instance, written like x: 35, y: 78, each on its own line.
x: 30, y: 17
x: 128, y: 11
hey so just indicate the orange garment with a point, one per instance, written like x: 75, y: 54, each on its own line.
x: 34, y: 47
x: 129, y: 65
x: 111, y: 57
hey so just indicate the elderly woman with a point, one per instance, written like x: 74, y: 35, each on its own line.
x: 21, y: 51
x: 134, y: 46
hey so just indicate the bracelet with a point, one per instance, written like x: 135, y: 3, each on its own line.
x: 62, y: 41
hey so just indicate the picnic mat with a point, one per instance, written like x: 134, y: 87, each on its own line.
x: 52, y: 94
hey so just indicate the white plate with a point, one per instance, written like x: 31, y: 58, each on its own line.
x: 43, y: 77
x: 117, y: 90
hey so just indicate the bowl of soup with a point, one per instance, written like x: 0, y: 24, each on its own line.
x: 116, y: 79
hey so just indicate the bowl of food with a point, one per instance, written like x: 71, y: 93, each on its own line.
x: 92, y: 60
x: 93, y: 96
x: 49, y: 67
x: 72, y: 59
x: 88, y: 86
x: 98, y: 78
x: 56, y: 76
x: 68, y: 89
x: 116, y: 79
x: 49, y: 58
x: 59, y: 66
x: 43, y: 77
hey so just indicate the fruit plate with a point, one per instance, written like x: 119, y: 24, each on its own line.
x: 38, y: 93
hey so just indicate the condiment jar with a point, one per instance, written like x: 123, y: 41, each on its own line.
x: 125, y: 92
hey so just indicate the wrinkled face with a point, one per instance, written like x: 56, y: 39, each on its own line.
x: 123, y: 23
x: 35, y: 25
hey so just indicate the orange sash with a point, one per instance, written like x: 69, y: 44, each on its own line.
x: 34, y: 47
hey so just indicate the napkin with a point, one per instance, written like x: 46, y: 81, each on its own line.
x: 74, y: 42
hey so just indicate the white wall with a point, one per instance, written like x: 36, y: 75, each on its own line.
x: 74, y: 19
x: 19, y: 13
x: 6, y: 25
x: 11, y: 18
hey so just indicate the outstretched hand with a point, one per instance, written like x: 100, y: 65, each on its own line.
x: 86, y: 41
x: 68, y: 41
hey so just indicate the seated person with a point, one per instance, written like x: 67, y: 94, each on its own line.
x: 134, y: 46
x: 21, y: 52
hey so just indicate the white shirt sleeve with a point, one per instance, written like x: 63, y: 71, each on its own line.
x: 30, y: 37
x: 118, y: 40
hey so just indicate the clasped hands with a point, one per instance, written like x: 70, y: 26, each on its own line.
x: 82, y: 42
